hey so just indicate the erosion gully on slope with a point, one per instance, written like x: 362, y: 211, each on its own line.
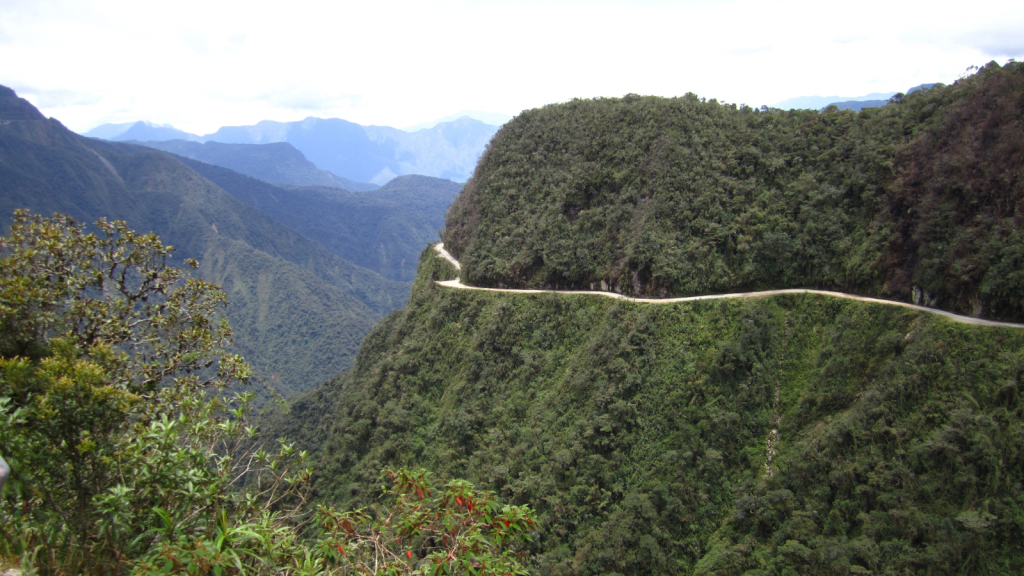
x: 457, y: 283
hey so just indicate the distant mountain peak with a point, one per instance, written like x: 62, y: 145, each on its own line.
x: 819, y: 102
x: 491, y: 118
x: 855, y: 103
x: 141, y: 130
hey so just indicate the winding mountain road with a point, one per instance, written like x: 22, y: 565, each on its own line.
x: 457, y: 283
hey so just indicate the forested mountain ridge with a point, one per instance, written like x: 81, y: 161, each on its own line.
x: 383, y: 230
x: 298, y: 311
x: 790, y: 434
x: 919, y: 200
x: 796, y: 432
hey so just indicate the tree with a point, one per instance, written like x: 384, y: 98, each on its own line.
x: 121, y: 457
x: 128, y: 455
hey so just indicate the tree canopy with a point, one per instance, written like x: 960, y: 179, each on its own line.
x: 917, y: 200
x: 130, y: 451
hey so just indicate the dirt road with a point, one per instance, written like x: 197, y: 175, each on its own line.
x: 457, y: 283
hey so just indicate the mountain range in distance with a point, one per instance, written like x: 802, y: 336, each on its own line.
x: 298, y: 304
x: 492, y: 118
x: 363, y: 154
x: 277, y: 163
x: 855, y: 103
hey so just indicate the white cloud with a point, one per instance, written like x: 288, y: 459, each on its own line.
x: 200, y: 65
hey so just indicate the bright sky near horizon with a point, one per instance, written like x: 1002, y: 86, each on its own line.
x: 199, y: 65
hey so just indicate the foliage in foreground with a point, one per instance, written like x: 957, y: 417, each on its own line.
x: 121, y: 459
x: 420, y: 530
x: 130, y: 455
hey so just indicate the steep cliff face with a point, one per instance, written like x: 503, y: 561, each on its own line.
x: 714, y: 437
x: 684, y: 196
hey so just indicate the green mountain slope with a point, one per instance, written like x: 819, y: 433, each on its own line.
x: 680, y: 196
x: 298, y: 311
x: 383, y: 230
x: 278, y: 162
x: 794, y: 434
x: 643, y: 434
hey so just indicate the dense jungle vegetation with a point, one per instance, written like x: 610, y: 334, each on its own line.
x: 131, y: 452
x: 918, y: 200
x: 783, y: 435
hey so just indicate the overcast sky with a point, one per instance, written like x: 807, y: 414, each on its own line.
x: 202, y: 64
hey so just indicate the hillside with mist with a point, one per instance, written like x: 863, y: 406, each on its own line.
x: 374, y: 154
x: 350, y: 151
x: 383, y: 230
x: 277, y: 163
x: 298, y: 310
x: 793, y: 434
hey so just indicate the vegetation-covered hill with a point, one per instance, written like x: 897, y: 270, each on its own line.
x: 299, y: 312
x: 763, y: 436
x: 278, y: 162
x: 796, y: 434
x: 920, y: 199
x: 383, y: 230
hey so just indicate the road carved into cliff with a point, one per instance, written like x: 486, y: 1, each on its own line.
x: 457, y: 283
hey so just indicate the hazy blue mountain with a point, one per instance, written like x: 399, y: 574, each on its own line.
x: 384, y: 230
x: 336, y: 145
x: 373, y: 153
x: 857, y: 105
x: 819, y: 102
x: 449, y: 150
x: 278, y: 162
x: 141, y: 131
x: 492, y: 118
x: 350, y: 151
x: 109, y: 131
